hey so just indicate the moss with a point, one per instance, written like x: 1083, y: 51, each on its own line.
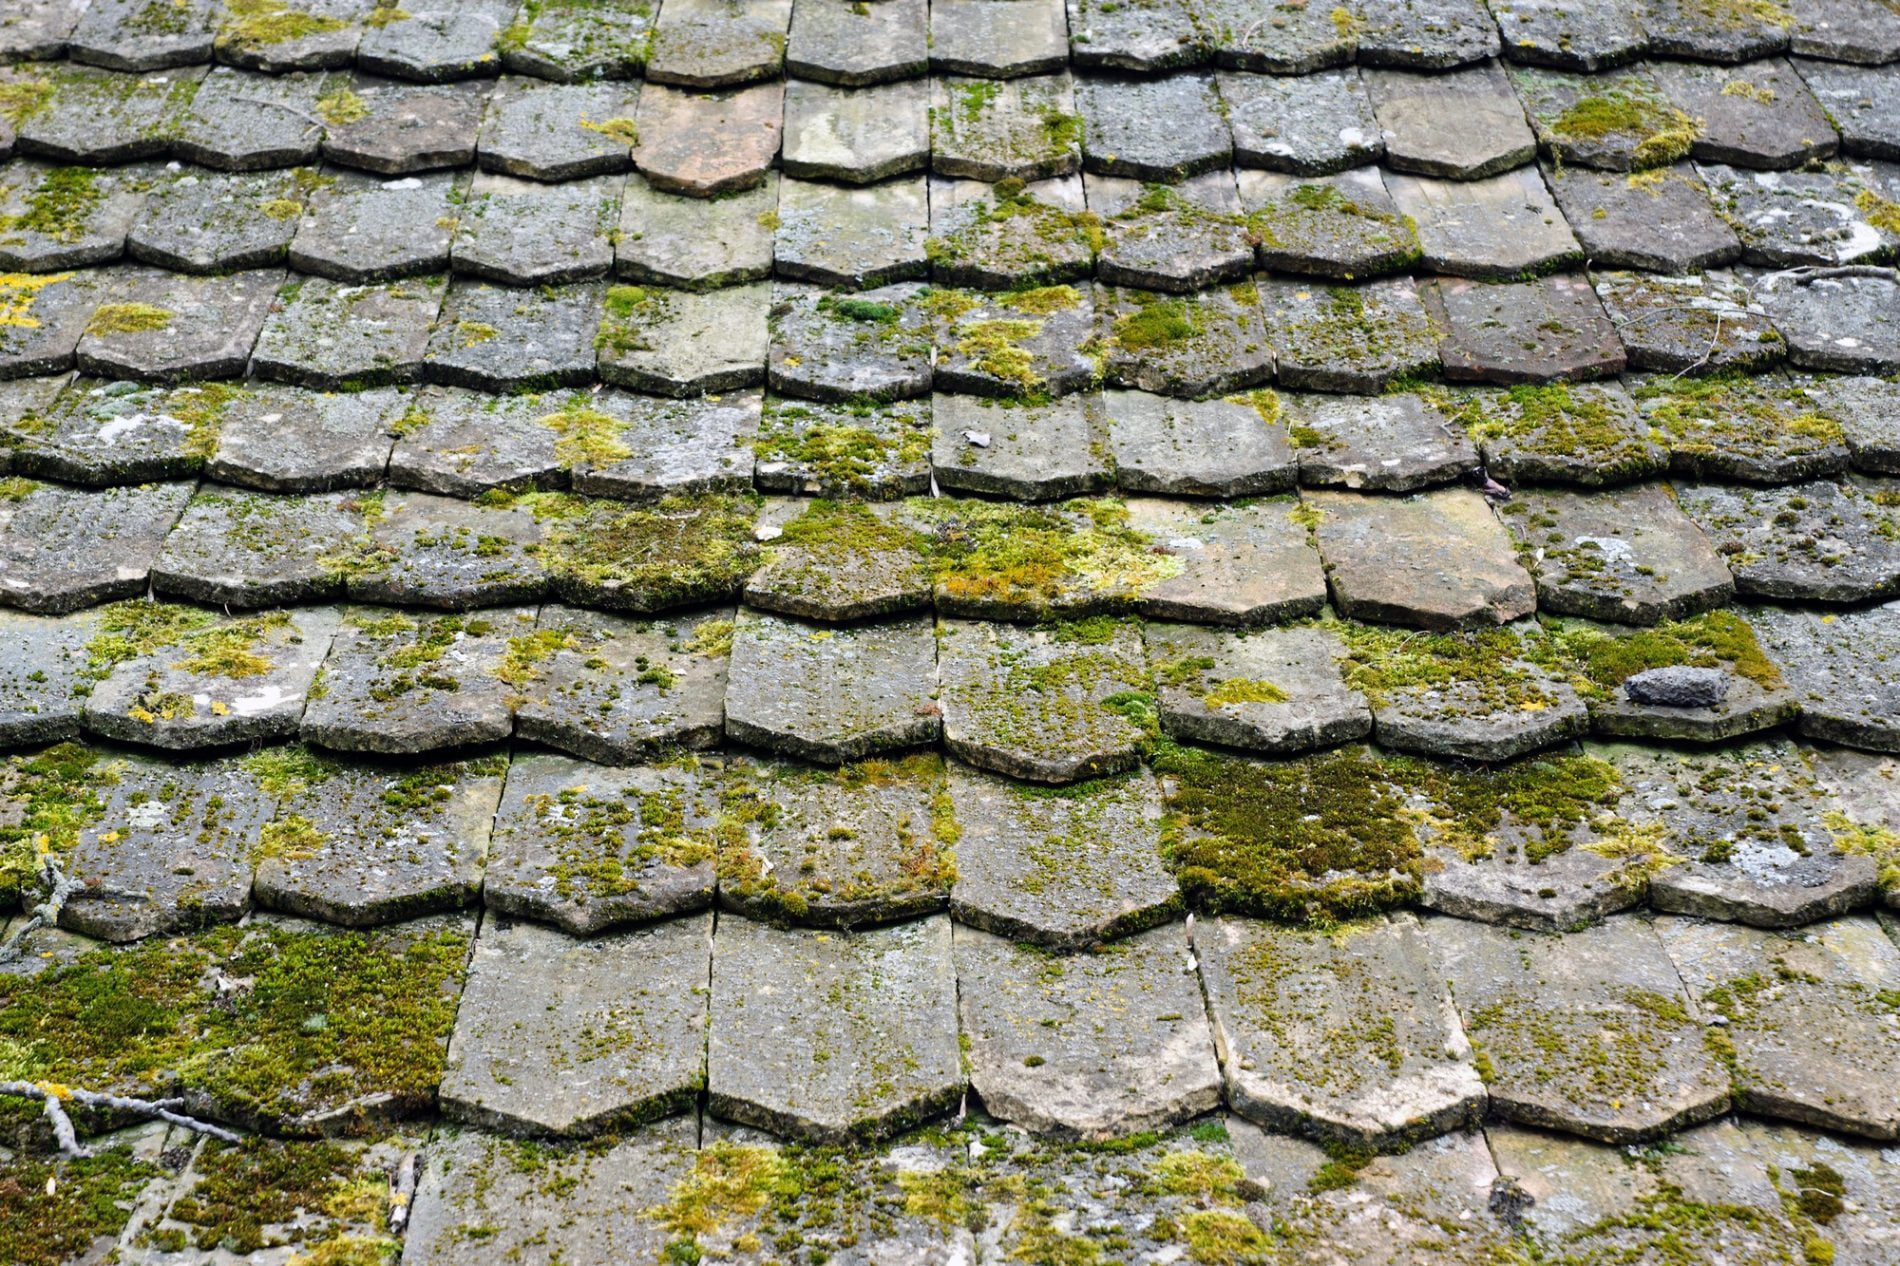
x: 474, y: 333
x: 281, y: 208
x: 55, y: 1211
x: 1034, y: 556
x: 384, y: 14
x: 586, y: 438
x: 17, y: 488
x: 341, y: 107
x: 1598, y: 661
x: 526, y: 654
x: 21, y: 99
x: 1556, y: 419
x: 1661, y: 133
x: 867, y: 311
x: 52, y: 796
x: 128, y: 318
x: 1881, y: 213
x: 839, y: 452
x: 1877, y: 842
x: 262, y: 1194
x: 329, y: 1018
x: 254, y: 23
x: 1325, y: 837
x: 134, y: 629
x: 832, y: 528
x: 1158, y: 323
x: 230, y: 650
x: 676, y: 550
x: 1488, y: 668
x: 713, y: 638
x: 19, y: 291
x: 60, y: 206
x: 621, y: 131
x: 728, y: 1182
x: 1724, y: 414
x: 1233, y: 690
x: 292, y: 837
x: 287, y: 771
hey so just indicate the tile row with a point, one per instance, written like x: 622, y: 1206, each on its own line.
x: 1367, y: 1035
x: 719, y: 43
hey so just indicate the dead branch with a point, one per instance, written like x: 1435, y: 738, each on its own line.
x: 54, y: 1097
x: 402, y: 1193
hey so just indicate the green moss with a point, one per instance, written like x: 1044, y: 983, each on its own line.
x: 621, y: 131
x: 869, y: 311
x: 1033, y: 556
x: 1232, y: 690
x: 1556, y: 420
x: 52, y: 795
x: 21, y: 99
x: 832, y: 528
x: 136, y: 628
x: 527, y: 653
x: 676, y: 550
x: 474, y: 333
x: 53, y: 1212
x: 281, y: 208
x: 254, y: 23
x: 341, y: 107
x: 1598, y: 661
x: 1489, y: 667
x: 262, y: 1194
x: 839, y: 453
x: 230, y: 650
x: 16, y: 488
x: 586, y: 438
x: 1158, y: 323
x: 1725, y: 414
x: 1662, y: 134
x: 60, y: 206
x: 329, y: 1018
x: 128, y: 318
x: 288, y: 770
x: 1877, y: 842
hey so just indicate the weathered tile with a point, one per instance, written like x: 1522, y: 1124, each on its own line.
x: 1480, y: 696
x: 521, y: 233
x: 326, y: 335
x: 1309, y: 125
x: 1399, y: 442
x: 1862, y: 786
x: 365, y: 844
x: 503, y: 338
x: 316, y: 35
x: 1523, y: 332
x: 1036, y: 704
x: 1860, y: 101
x: 718, y: 43
x: 435, y: 45
x: 398, y: 684
x: 873, y: 346
x: 1845, y: 324
x: 424, y: 550
x: 1181, y: 237
x: 132, y: 35
x: 393, y: 128
x: 1698, y: 322
x: 1587, y: 434
x: 362, y: 229
x: 572, y: 41
x: 1086, y: 1045
x: 681, y: 551
x: 1719, y: 33
x: 853, y: 237
x: 1865, y: 408
x: 1287, y: 41
x: 1438, y: 560
x: 1457, y: 126
x: 1621, y: 121
x: 103, y: 116
x: 1759, y: 115
x: 1162, y: 129
x: 212, y: 222
x: 1314, y: 839
x: 486, y: 1188
x: 877, y: 451
x: 57, y: 218
x: 841, y: 42
x: 588, y: 848
x: 247, y: 550
x: 1427, y: 34
x: 1348, y: 338
x: 1794, y: 219
x: 706, y: 144
x: 465, y: 443
x: 1805, y: 1021
x: 831, y: 694
x: 1065, y: 870
x: 997, y: 39
x: 1344, y: 226
x: 1026, y: 345
x: 558, y: 131
x: 39, y: 30
x: 1145, y: 39
x: 1558, y: 33
x: 1274, y: 690
x: 1764, y: 430
x: 243, y: 122
x: 856, y: 135
x: 987, y: 129
x: 673, y: 240
x: 1749, y: 826
x: 1842, y: 667
x: 1502, y: 227
x: 1845, y: 30
x: 1243, y: 564
x: 626, y: 1027
x: 616, y: 444
x: 1629, y: 556
x: 1190, y: 345
x: 1818, y: 1164
x: 1602, y: 659
x: 219, y: 684
x: 287, y: 439
x: 992, y: 238
x: 1588, y: 1032
x: 41, y: 320
x: 1347, y: 1033
x: 1231, y: 447
x: 616, y: 691
x: 839, y: 560
x: 101, y: 432
x: 41, y: 660
x: 863, y: 845
x: 784, y: 1003
x: 64, y: 548
x: 158, y: 326
x: 682, y: 343
x: 170, y: 847
x: 1819, y: 541
x: 1007, y: 561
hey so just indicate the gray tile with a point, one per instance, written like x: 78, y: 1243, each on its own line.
x: 616, y: 444
x: 41, y: 660
x: 1621, y: 121
x: 1865, y: 409
x: 1181, y: 237
x: 243, y: 122
x: 1845, y: 324
x: 287, y: 439
x: 400, y: 684
x: 1399, y: 442
x: 1861, y: 102
x: 1561, y: 34
x: 1291, y: 42
x: 1309, y: 125
x: 992, y: 238
x: 1271, y: 690
x: 104, y: 116
x: 500, y: 338
x: 843, y: 42
x: 423, y: 550
x: 1438, y: 560
x: 521, y: 233
x: 101, y: 432
x: 1762, y: 430
x: 1427, y: 34
x: 1208, y: 448
x: 572, y: 41
x: 1504, y: 227
x: 259, y: 43
x: 1194, y: 345
x: 1694, y: 323
x: 1348, y: 338
x: 853, y: 238
x: 162, y: 327
x: 46, y: 315
x: 855, y: 135
x: 1816, y: 542
x: 1456, y: 126
x: 1021, y: 451
x: 246, y: 550
x: 556, y: 131
x: 127, y: 35
x: 362, y: 229
x: 718, y: 43
x: 434, y: 45
x: 1146, y: 39
x: 839, y: 561
x: 1685, y: 28
x: 874, y: 346
x: 1345, y: 226
x: 673, y: 240
x: 393, y: 128
x: 1842, y: 667
x: 831, y: 695
x: 682, y: 343
x: 998, y: 39
x: 1629, y: 556
x: 1153, y: 129
x: 1524, y: 332
x: 463, y: 443
x: 1845, y: 30
x: 62, y: 218
x: 1244, y: 564
x: 1795, y: 219
x: 1026, y: 345
x: 1759, y: 115
x: 212, y: 222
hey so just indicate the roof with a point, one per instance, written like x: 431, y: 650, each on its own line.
x: 871, y: 631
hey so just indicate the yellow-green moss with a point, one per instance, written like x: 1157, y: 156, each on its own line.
x: 253, y: 23
x: 586, y: 438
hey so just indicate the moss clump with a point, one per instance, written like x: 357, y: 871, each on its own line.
x: 262, y: 1194
x: 1533, y: 808
x: 1320, y: 838
x: 18, y: 292
x: 1877, y: 842
x: 1158, y: 323
x: 586, y: 438
x: 287, y: 771
x: 230, y: 650
x: 21, y: 99
x: 621, y: 131
x: 341, y: 107
x: 832, y: 528
x: 60, y: 207
x: 846, y: 449
x: 54, y: 1211
x: 1632, y: 111
x: 521, y: 665
x: 281, y: 208
x: 129, y: 318
x: 677, y: 550
x: 474, y: 333
x: 53, y: 795
x: 1558, y: 419
x: 867, y: 311
x: 1724, y: 414
x: 329, y: 1019
x: 256, y: 23
x: 1598, y: 661
x: 133, y: 629
x: 1489, y: 668
x: 728, y: 1183
x: 1035, y: 556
